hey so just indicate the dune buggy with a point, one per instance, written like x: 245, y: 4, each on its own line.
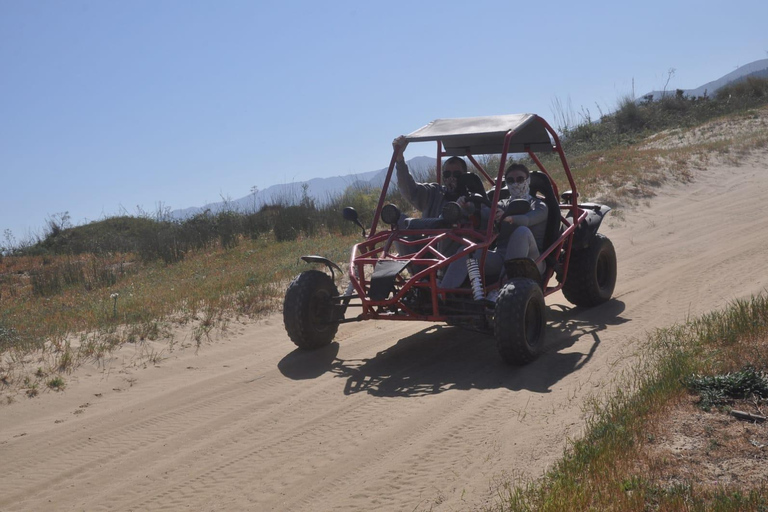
x: 395, y: 272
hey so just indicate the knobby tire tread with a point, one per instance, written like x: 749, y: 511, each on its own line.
x: 509, y: 321
x: 296, y: 314
x: 581, y: 287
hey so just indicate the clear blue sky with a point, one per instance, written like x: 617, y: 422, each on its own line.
x: 109, y: 104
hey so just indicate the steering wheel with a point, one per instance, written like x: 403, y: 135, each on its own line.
x: 479, y: 199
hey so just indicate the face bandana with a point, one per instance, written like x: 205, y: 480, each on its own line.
x: 519, y: 190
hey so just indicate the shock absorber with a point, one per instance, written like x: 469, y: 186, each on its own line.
x: 474, y: 278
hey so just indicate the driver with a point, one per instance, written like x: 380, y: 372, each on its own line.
x: 429, y: 198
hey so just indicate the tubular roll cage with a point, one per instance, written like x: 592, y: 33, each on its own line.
x: 378, y: 244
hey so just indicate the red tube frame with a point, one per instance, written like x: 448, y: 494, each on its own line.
x: 367, y: 253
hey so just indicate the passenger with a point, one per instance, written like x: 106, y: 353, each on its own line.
x: 520, y: 236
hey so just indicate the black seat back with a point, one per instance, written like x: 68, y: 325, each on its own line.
x: 540, y: 184
x: 472, y: 183
x: 503, y: 194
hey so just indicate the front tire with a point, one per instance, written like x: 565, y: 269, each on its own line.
x: 309, y: 313
x: 591, y: 273
x: 519, y: 321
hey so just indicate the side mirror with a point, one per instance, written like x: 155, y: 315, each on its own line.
x: 350, y: 214
x: 567, y: 196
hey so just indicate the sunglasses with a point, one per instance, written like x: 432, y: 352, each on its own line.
x: 518, y: 180
x: 452, y: 174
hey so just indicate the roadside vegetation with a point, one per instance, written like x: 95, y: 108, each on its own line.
x: 686, y: 429
x: 77, y: 292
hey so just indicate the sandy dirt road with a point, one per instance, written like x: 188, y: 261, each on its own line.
x: 395, y: 415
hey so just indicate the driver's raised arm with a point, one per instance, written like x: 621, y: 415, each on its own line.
x: 416, y: 193
x: 399, y: 145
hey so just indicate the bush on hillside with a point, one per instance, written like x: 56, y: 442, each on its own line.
x: 751, y: 88
x: 633, y: 120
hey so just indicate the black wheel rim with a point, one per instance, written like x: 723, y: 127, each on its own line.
x: 603, y: 271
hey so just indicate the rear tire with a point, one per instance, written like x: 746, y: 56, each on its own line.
x: 591, y: 273
x: 309, y: 315
x: 520, y: 321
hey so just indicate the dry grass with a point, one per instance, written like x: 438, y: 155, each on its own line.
x: 205, y: 290
x: 711, y: 448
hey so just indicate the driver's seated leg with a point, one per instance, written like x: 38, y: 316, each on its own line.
x: 455, y: 274
x: 457, y: 271
x: 522, y: 244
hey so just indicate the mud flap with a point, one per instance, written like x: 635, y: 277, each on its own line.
x: 585, y: 232
x: 312, y: 258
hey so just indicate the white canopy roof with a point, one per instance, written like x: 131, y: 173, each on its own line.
x: 485, y: 135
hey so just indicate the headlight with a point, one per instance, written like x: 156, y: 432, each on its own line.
x: 390, y: 214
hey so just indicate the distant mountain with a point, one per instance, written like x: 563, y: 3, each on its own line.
x: 319, y: 189
x: 758, y: 69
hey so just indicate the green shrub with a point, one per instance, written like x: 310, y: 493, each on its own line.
x: 295, y: 220
x: 630, y: 117
x: 717, y: 390
x: 229, y: 228
x: 752, y: 88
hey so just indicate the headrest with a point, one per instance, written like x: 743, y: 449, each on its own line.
x: 472, y: 183
x: 540, y: 183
